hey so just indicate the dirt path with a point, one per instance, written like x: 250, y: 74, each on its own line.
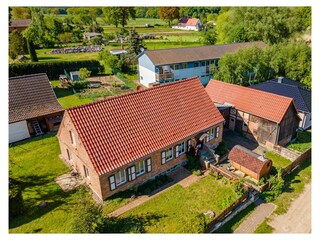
x: 298, y: 217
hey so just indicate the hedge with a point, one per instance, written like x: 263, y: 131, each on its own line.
x: 53, y: 69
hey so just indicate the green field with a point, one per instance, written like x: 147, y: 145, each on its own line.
x: 180, y: 210
x: 277, y: 160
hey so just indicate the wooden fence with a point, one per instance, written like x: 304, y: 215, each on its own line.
x: 228, y: 210
x: 302, y: 158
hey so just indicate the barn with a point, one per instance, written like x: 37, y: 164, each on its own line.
x: 33, y: 107
x: 248, y: 162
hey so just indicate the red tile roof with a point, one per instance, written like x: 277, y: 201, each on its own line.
x: 247, y: 158
x: 259, y: 103
x: 31, y: 96
x: 192, y: 21
x: 122, y: 129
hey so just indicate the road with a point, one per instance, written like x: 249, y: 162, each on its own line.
x: 298, y: 217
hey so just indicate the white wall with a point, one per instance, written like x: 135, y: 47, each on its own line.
x: 18, y: 131
x: 146, y: 76
x: 305, y: 120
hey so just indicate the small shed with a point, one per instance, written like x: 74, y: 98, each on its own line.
x: 250, y: 163
x: 75, y: 76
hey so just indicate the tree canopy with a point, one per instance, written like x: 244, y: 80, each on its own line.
x: 118, y: 15
x: 292, y: 60
x: 168, y: 14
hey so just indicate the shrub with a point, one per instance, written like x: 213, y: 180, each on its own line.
x: 197, y: 172
x: 53, y: 69
x: 80, y: 84
x: 276, y: 186
x: 193, y: 162
x: 215, y: 175
x: 222, y: 148
x: 239, y: 187
x: 225, y: 181
x: 16, y: 206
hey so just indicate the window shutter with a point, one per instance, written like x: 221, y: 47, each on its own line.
x: 183, y: 147
x: 208, y: 136
x: 163, y: 157
x: 112, y: 183
x: 133, y: 172
x: 149, y: 168
x: 217, y: 132
x: 177, y: 151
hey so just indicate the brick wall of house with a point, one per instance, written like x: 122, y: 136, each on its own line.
x: 79, y: 156
x: 100, y: 184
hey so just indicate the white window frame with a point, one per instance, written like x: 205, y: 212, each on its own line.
x: 149, y: 165
x: 138, y: 167
x: 112, y: 182
x: 123, y: 178
x: 180, y: 149
x: 73, y: 139
x: 189, y: 145
x: 131, y: 173
x: 86, y: 172
x: 217, y: 131
x: 165, y: 157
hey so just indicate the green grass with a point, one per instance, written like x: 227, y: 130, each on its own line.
x: 264, y: 227
x: 295, y: 183
x: 303, y: 141
x: 235, y: 222
x: 176, y: 210
x: 277, y: 160
x: 35, y: 163
x: 66, y: 97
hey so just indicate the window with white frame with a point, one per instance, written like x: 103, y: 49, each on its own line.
x: 210, y: 134
x: 180, y: 149
x: 189, y: 145
x: 149, y: 167
x: 112, y: 182
x: 121, y: 177
x: 140, y: 168
x: 86, y: 171
x: 132, y: 173
x: 73, y: 139
x: 167, y: 155
x: 217, y: 131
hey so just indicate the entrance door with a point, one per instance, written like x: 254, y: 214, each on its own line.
x: 238, y: 127
x: 232, y: 123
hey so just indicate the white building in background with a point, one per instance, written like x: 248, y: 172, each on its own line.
x: 168, y: 65
x: 193, y: 24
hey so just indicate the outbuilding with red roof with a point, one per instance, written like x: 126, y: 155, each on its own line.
x: 262, y: 116
x: 125, y: 140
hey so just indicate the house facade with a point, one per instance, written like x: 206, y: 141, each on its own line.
x: 169, y: 65
x: 293, y: 89
x: 191, y: 24
x: 33, y: 107
x: 126, y: 140
x: 260, y: 116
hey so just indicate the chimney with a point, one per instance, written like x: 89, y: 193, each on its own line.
x: 280, y: 79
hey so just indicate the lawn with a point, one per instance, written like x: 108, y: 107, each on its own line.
x: 35, y: 163
x: 66, y: 97
x: 179, y: 210
x: 303, y: 141
x: 277, y: 160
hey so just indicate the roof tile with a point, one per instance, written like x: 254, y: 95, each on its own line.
x: 122, y: 129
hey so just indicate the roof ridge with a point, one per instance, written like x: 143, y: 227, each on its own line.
x: 226, y: 44
x: 29, y: 75
x: 131, y: 93
x: 257, y: 90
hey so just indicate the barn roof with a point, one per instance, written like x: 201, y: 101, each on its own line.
x: 247, y: 158
x: 301, y: 97
x: 31, y: 96
x: 189, y: 54
x: 122, y: 129
x: 20, y: 23
x: 259, y: 103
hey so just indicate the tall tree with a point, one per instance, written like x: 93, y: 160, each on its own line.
x: 118, y: 15
x: 168, y: 14
x: 135, y: 42
x: 17, y: 44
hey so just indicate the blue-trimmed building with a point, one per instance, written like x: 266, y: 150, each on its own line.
x: 168, y: 65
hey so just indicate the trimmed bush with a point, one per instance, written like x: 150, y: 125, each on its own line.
x: 222, y: 149
x: 53, y: 69
x: 80, y: 84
